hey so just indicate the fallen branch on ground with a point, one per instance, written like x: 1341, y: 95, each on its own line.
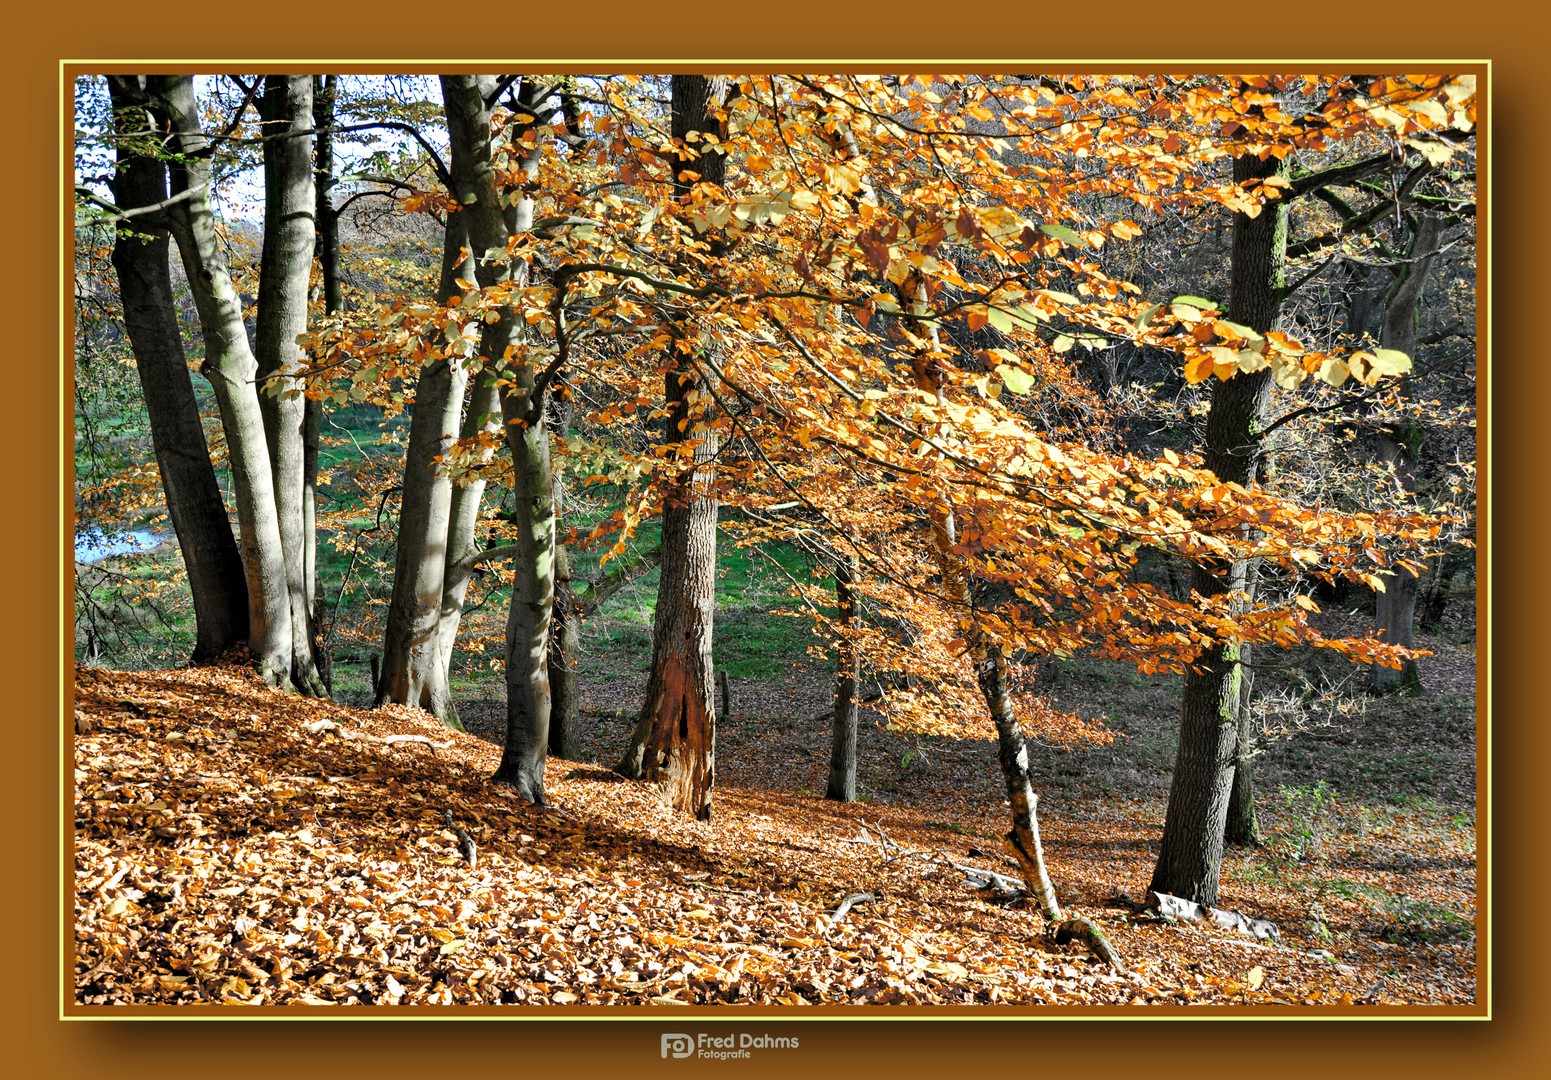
x: 1174, y: 907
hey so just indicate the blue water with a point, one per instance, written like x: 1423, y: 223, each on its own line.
x: 94, y: 544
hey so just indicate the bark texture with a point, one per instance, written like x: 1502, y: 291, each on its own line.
x: 1400, y: 449
x: 140, y: 261
x: 414, y: 668
x: 285, y: 269
x: 492, y: 221
x: 674, y: 742
x: 1190, y: 858
x: 842, y: 752
x: 232, y: 371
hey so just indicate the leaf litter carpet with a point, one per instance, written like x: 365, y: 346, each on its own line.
x: 235, y: 846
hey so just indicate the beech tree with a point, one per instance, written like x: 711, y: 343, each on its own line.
x: 140, y: 260
x: 282, y: 654
x: 674, y: 742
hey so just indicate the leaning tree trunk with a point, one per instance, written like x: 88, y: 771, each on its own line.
x: 492, y: 220
x: 674, y: 742
x: 1400, y: 447
x: 194, y: 503
x: 284, y: 273
x: 1190, y: 858
x: 232, y: 370
x: 842, y: 753
x: 414, y: 671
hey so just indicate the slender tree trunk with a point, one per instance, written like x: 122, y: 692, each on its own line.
x: 232, y: 370
x: 481, y: 417
x: 842, y: 755
x: 491, y: 222
x: 194, y: 503
x: 1242, y: 829
x: 414, y: 670
x: 1400, y: 449
x: 284, y: 272
x: 1190, y: 858
x: 674, y: 742
x: 565, y: 735
x: 323, y: 90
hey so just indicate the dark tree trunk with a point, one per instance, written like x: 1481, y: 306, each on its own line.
x: 1191, y: 854
x: 194, y: 503
x: 1400, y: 449
x: 233, y: 373
x: 285, y: 268
x: 842, y: 755
x: 674, y: 742
x: 327, y: 222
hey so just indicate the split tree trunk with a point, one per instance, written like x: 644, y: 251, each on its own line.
x: 1190, y: 858
x: 674, y: 742
x: 232, y: 370
x: 194, y: 503
x: 284, y: 272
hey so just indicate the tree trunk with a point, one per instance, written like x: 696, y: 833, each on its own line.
x: 414, y: 670
x: 565, y: 734
x: 491, y: 222
x: 1191, y: 854
x: 1400, y: 448
x: 333, y: 300
x: 842, y: 755
x: 194, y: 503
x: 232, y: 370
x: 674, y: 742
x: 482, y: 416
x: 284, y: 273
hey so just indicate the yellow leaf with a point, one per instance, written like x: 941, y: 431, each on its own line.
x: 1255, y: 977
x: 1305, y: 603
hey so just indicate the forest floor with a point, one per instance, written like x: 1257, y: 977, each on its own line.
x: 226, y: 854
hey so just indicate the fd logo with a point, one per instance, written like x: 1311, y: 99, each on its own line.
x: 680, y: 1045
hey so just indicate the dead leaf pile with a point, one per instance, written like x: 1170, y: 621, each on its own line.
x: 233, y: 849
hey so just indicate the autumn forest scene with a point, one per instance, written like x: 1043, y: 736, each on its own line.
x: 819, y: 542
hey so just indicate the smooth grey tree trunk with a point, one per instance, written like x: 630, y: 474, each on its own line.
x: 842, y: 753
x: 232, y: 370
x: 332, y: 294
x: 492, y: 221
x: 1400, y: 449
x: 284, y: 273
x: 194, y: 502
x: 1190, y: 858
x: 481, y: 416
x: 414, y: 670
